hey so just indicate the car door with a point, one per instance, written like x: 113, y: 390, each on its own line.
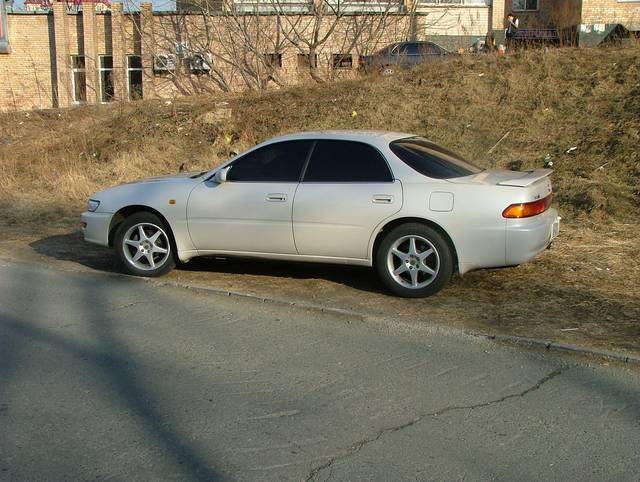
x: 347, y: 190
x: 251, y: 211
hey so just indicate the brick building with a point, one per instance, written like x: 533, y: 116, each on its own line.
x: 68, y: 56
x: 589, y: 21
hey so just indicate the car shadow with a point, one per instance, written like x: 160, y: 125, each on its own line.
x: 72, y: 247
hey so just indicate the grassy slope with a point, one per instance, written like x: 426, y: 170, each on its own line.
x: 548, y: 102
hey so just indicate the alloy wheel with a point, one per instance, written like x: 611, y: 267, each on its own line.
x: 146, y: 246
x: 413, y: 262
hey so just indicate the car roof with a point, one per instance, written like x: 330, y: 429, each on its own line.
x: 375, y: 137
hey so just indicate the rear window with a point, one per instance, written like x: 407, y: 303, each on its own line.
x: 431, y: 160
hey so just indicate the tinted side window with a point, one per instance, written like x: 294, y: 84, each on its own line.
x: 409, y: 49
x: 346, y: 161
x: 432, y: 160
x: 433, y: 49
x: 279, y: 162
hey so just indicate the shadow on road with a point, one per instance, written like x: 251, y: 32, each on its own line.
x: 117, y: 370
x: 535, y: 300
x: 116, y: 367
x: 72, y: 247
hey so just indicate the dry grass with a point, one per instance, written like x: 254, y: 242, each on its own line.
x: 547, y: 103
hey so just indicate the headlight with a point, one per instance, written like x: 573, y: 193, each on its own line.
x: 92, y: 205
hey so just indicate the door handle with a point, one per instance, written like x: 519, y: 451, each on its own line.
x: 383, y: 199
x: 277, y: 197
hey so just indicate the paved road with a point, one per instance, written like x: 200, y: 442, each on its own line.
x: 105, y: 377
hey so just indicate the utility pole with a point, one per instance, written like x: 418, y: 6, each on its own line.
x: 4, y: 28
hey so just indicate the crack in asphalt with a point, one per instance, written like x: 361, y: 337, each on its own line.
x: 128, y: 305
x: 358, y: 446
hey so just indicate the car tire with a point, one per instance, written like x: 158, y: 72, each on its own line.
x: 145, y: 246
x: 414, y: 261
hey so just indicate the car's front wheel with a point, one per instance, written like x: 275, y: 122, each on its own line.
x: 414, y: 261
x: 144, y: 246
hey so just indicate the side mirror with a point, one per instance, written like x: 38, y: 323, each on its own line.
x: 221, y: 175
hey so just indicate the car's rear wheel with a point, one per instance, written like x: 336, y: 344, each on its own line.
x: 414, y: 261
x: 144, y: 245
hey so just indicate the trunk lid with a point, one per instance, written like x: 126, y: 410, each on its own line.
x: 525, y: 186
x: 527, y: 178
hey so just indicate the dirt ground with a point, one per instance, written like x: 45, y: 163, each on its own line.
x: 582, y: 291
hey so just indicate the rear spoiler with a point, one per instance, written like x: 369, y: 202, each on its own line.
x: 527, y: 178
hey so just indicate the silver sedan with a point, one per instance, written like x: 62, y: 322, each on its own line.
x: 413, y: 210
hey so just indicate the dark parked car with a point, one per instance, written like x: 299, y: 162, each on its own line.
x: 403, y: 55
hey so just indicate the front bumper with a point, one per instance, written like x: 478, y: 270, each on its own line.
x: 95, y: 227
x: 529, y: 236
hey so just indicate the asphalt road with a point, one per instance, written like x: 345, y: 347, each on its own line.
x: 106, y: 377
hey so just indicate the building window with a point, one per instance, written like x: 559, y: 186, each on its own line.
x: 134, y: 77
x: 445, y: 2
x: 106, y: 78
x: 304, y: 60
x: 270, y: 6
x: 525, y: 4
x: 482, y: 3
x: 342, y: 61
x: 374, y: 6
x: 273, y: 61
x: 78, y: 79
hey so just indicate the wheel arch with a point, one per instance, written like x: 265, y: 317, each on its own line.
x: 127, y: 211
x: 406, y: 220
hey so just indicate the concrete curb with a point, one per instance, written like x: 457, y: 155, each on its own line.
x: 507, y: 339
x: 561, y: 347
x: 249, y: 296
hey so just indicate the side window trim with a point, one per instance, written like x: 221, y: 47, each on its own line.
x: 384, y: 158
x: 314, y: 142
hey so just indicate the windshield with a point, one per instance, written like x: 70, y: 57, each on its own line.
x: 431, y: 160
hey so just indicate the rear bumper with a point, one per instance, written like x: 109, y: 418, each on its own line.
x: 95, y: 227
x: 529, y: 236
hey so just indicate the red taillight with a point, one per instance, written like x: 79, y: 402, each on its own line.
x: 526, y: 210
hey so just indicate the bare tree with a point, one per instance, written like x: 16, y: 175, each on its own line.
x: 345, y: 24
x: 240, y: 44
x: 217, y: 44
